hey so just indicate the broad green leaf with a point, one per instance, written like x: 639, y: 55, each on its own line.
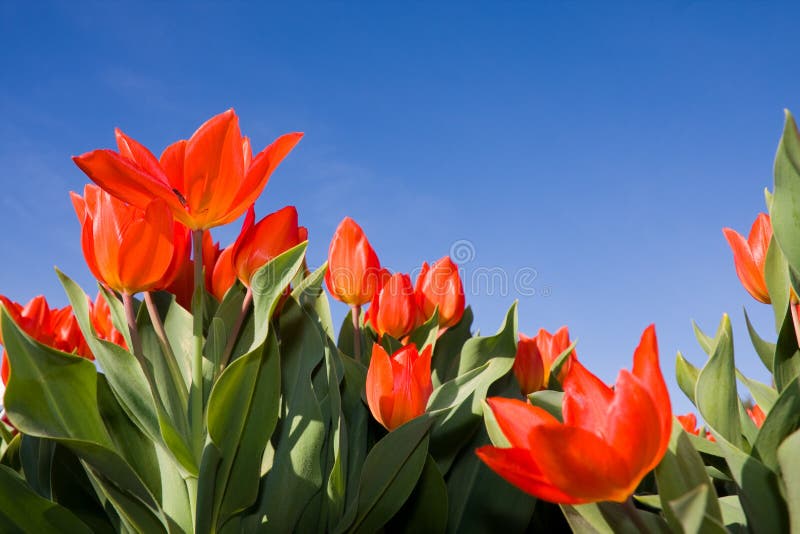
x: 610, y: 518
x: 493, y: 430
x: 732, y: 513
x: 715, y: 391
x: 764, y: 395
x: 789, y: 462
x: 764, y: 349
x: 691, y: 511
x: 786, y: 366
x: 776, y: 275
x: 295, y: 473
x: 479, y: 500
x: 548, y: 400
x: 706, y: 342
x: 785, y: 212
x: 311, y: 296
x: 558, y: 363
x: 782, y: 419
x: 22, y: 510
x: 447, y: 353
x: 356, y: 417
x: 390, y: 473
x: 479, y: 350
x: 36, y: 457
x: 426, y: 508
x: 686, y: 374
x: 426, y: 333
x: 242, y: 414
x: 680, y: 473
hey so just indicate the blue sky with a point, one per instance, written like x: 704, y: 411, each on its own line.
x: 601, y: 148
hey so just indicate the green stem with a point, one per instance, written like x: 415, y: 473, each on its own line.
x: 136, y: 341
x: 196, y: 394
x: 237, y: 326
x: 166, y: 348
x: 355, y: 312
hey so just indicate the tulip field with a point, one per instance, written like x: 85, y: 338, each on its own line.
x: 204, y: 387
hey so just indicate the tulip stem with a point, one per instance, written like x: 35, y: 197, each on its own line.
x: 633, y: 514
x: 355, y: 312
x: 237, y: 326
x: 196, y: 393
x: 795, y: 321
x: 136, y: 341
x: 169, y: 355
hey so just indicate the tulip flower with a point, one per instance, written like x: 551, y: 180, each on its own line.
x: 750, y: 255
x: 535, y: 357
x: 439, y: 285
x: 757, y: 415
x: 100, y: 316
x: 689, y: 424
x: 354, y: 273
x: 608, y: 441
x: 258, y: 243
x: 126, y: 248
x: 394, y: 308
x: 57, y: 328
x: 398, y: 386
x: 224, y: 274
x: 207, y: 181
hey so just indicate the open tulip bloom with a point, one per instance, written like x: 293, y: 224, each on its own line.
x: 206, y: 388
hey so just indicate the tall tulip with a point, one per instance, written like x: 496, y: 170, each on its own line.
x: 609, y: 439
x: 398, y: 386
x: 536, y: 355
x: 750, y: 256
x: 258, y: 243
x: 354, y: 272
x: 440, y: 285
x: 207, y: 181
x: 126, y: 248
x: 394, y: 308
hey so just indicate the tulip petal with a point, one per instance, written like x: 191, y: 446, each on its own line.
x: 133, y: 150
x: 759, y: 238
x: 517, y: 418
x: 379, y: 385
x: 647, y: 370
x: 749, y: 272
x: 518, y: 467
x: 146, y: 249
x: 586, y: 399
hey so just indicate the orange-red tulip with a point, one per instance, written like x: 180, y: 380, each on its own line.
x: 440, y: 285
x: 750, y: 255
x: 394, y: 308
x: 207, y: 181
x: 536, y: 355
x: 258, y: 243
x: 57, y: 328
x: 757, y: 415
x: 224, y: 274
x: 126, y: 248
x: 689, y: 424
x: 100, y: 316
x: 609, y: 440
x: 354, y: 273
x: 398, y: 386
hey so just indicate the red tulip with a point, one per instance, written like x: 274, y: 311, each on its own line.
x: 261, y: 242
x: 354, y: 273
x: 126, y: 248
x: 609, y: 440
x: 750, y: 255
x: 757, y: 415
x: 689, y: 424
x: 224, y: 274
x: 56, y: 328
x: 100, y: 316
x: 536, y: 355
x: 394, y: 308
x: 440, y: 285
x: 207, y: 181
x: 398, y: 386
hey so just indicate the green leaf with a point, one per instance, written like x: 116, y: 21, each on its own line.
x: 733, y: 514
x: 782, y: 419
x: 390, y: 473
x: 356, y: 417
x: 764, y: 395
x: 686, y: 374
x: 609, y: 517
x: 786, y: 366
x: 764, y: 349
x: 242, y: 414
x: 776, y: 275
x: 295, y: 471
x: 691, y: 511
x: 426, y: 508
x: 558, y: 363
x: 680, y: 475
x: 549, y: 400
x: 789, y: 461
x: 479, y: 350
x: 426, y: 333
x: 268, y: 284
x: 447, y: 353
x: 36, y: 457
x: 785, y: 212
x: 715, y: 391
x: 22, y: 510
x: 706, y: 343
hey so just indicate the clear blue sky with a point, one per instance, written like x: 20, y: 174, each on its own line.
x: 603, y: 146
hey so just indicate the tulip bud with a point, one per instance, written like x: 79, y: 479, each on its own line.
x: 394, y: 308
x: 440, y: 286
x: 750, y: 256
x: 354, y: 272
x: 398, y: 386
x: 536, y: 356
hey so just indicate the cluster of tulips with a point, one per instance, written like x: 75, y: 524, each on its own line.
x: 220, y: 399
